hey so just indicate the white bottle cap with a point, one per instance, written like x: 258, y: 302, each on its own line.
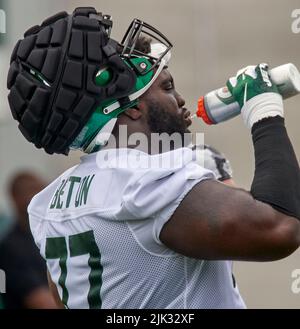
x: 287, y: 79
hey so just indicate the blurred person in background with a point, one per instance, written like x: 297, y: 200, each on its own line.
x: 26, y: 274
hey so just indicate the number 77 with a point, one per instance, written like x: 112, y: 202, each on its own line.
x: 79, y: 244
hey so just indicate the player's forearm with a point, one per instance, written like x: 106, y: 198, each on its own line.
x: 277, y: 176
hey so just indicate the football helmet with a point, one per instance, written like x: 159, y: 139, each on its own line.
x: 69, y: 80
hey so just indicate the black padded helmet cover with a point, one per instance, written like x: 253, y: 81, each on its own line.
x: 52, y: 77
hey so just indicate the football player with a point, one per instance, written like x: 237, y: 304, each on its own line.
x: 131, y: 229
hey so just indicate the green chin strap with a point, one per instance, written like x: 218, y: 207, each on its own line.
x: 99, y: 119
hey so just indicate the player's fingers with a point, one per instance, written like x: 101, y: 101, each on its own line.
x: 248, y: 70
x: 263, y: 73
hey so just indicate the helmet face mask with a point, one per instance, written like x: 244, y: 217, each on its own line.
x: 64, y: 91
x: 136, y: 30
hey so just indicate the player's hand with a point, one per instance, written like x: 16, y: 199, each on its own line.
x: 256, y: 94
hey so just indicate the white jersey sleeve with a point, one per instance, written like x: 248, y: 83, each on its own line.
x: 151, y: 190
x: 155, y: 193
x: 157, y: 197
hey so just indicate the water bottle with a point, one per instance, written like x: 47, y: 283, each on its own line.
x: 219, y: 105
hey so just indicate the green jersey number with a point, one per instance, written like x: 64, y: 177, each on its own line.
x: 79, y: 244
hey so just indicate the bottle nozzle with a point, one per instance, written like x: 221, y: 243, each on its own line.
x: 201, y: 111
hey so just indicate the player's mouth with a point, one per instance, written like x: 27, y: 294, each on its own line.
x: 187, y: 117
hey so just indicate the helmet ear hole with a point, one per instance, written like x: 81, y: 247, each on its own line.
x: 104, y: 77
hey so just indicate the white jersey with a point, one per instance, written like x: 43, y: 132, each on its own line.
x: 98, y: 227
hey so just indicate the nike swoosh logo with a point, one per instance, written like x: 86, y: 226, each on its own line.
x: 245, y: 93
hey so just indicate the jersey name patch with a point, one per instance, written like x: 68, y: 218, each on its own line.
x: 70, y: 187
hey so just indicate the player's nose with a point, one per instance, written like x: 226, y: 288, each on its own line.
x: 180, y: 100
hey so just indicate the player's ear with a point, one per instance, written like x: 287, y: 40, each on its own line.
x: 134, y: 113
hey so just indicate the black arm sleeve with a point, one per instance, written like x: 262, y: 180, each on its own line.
x: 277, y: 176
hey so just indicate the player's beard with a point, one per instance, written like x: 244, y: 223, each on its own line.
x: 162, y: 121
